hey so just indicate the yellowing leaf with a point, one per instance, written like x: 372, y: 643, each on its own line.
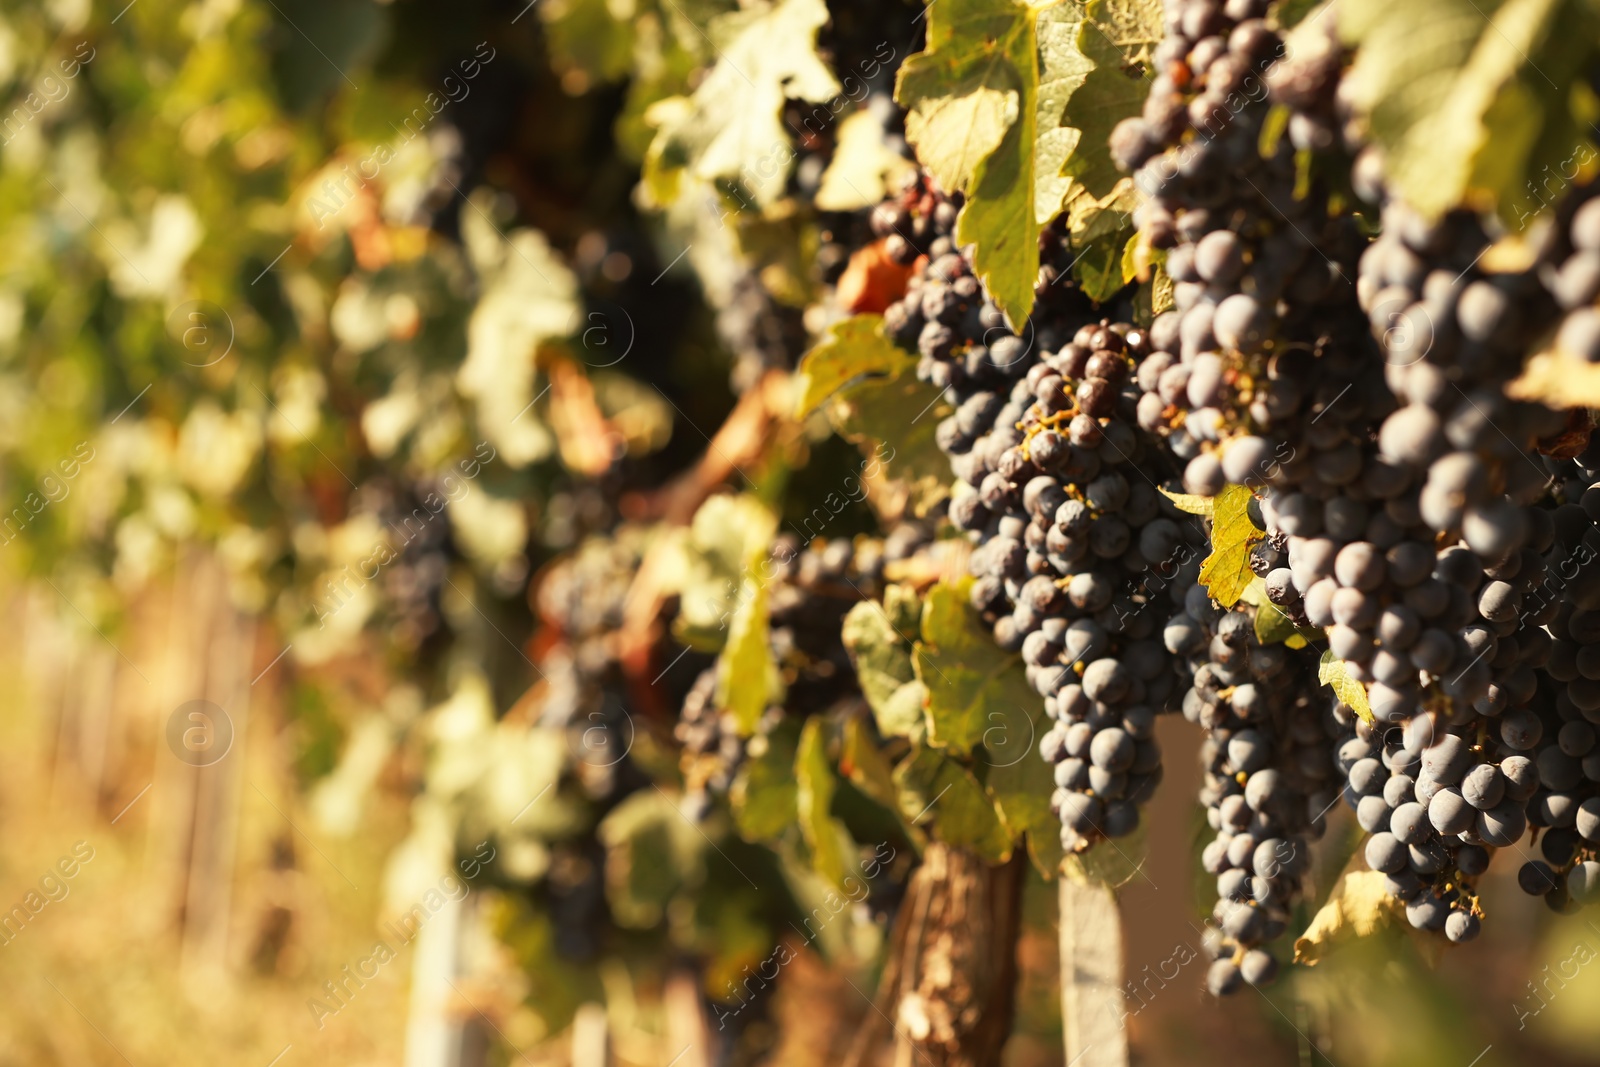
x: 726, y: 534
x: 527, y: 298
x: 877, y: 403
x: 1188, y: 502
x: 1358, y: 906
x: 732, y: 128
x: 746, y: 670
x: 814, y: 784
x: 864, y: 168
x: 851, y: 349
x: 1558, y: 379
x: 1062, y: 69
x: 967, y: 676
x: 1332, y: 672
x: 972, y: 96
x: 1226, y: 571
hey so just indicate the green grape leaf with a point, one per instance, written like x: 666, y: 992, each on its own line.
x: 1098, y: 267
x: 1020, y: 783
x: 726, y: 534
x: 853, y: 349
x: 1100, y: 231
x: 732, y: 128
x: 1333, y: 672
x: 939, y: 793
x: 876, y: 402
x: 1110, y: 863
x: 967, y: 676
x: 648, y: 854
x: 863, y: 763
x: 764, y: 796
x: 1274, y: 627
x: 1486, y: 106
x: 827, y: 838
x: 1226, y: 571
x: 881, y: 653
x: 972, y: 94
x: 746, y: 672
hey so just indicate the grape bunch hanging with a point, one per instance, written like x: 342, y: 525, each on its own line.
x: 1325, y: 391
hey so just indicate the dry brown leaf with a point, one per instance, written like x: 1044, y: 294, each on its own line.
x: 872, y: 281
x: 581, y: 428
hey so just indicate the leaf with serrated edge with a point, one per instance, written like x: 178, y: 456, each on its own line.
x: 966, y: 674
x: 875, y: 400
x: 733, y: 128
x: 849, y: 350
x: 972, y: 95
x: 1062, y: 69
x: 1333, y: 673
x: 939, y: 793
x: 1116, y: 37
x: 1226, y: 571
x: 1358, y: 906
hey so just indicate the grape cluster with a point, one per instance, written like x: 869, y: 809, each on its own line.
x: 1569, y: 270
x: 1058, y: 489
x: 412, y: 582
x: 580, y: 601
x: 1269, y: 780
x: 1404, y: 515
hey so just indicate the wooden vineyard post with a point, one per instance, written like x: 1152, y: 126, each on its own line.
x: 1092, y: 1011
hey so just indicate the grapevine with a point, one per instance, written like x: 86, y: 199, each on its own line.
x: 780, y: 484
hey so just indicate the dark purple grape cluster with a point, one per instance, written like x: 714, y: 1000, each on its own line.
x: 412, y: 580
x: 1404, y: 513
x: 1076, y: 547
x: 1269, y: 779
